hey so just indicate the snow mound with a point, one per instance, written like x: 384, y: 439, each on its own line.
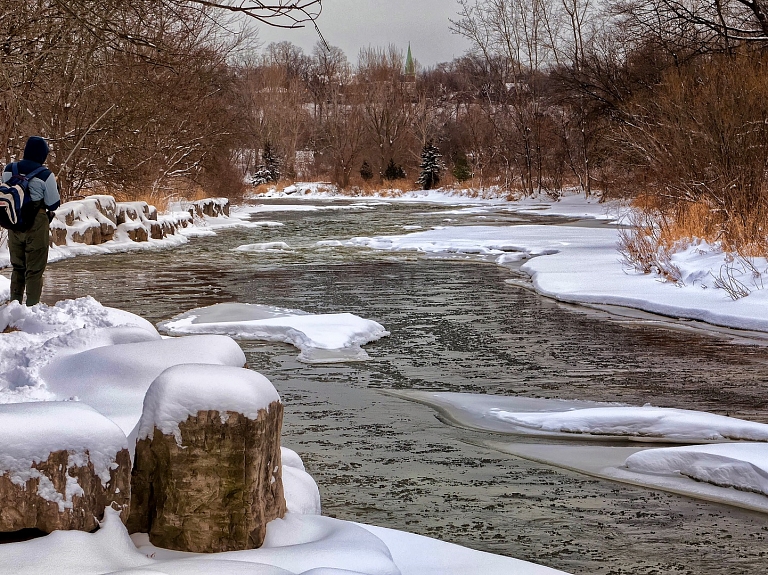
x: 183, y: 390
x: 324, y: 338
x: 301, y: 492
x: 679, y: 425
x: 39, y: 334
x: 114, y: 379
x: 742, y: 466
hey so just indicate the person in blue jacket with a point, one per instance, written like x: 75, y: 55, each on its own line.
x: 29, y: 249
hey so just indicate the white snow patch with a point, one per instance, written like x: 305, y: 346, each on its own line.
x: 114, y: 379
x: 264, y: 247
x: 743, y: 466
x: 587, y: 420
x: 301, y: 492
x: 41, y: 333
x: 323, y: 338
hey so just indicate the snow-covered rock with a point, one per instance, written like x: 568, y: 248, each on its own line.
x: 61, y: 464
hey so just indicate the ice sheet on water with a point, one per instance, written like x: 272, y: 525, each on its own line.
x: 588, y: 420
x: 322, y: 338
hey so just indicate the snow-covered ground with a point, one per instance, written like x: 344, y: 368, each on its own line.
x: 69, y: 350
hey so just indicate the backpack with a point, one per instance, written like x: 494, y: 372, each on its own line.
x: 17, y: 209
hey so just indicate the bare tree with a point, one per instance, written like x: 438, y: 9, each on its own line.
x: 386, y: 102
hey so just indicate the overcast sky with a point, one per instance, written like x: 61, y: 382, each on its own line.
x: 355, y: 24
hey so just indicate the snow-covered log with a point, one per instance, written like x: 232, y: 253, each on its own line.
x: 207, y: 469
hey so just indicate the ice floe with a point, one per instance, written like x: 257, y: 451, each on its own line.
x: 322, y: 338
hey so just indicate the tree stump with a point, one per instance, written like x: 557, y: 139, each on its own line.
x: 211, y: 482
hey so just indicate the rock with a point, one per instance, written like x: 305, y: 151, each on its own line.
x: 61, y: 465
x: 155, y: 230
x: 58, y: 235
x: 88, y: 234
x: 207, y: 471
x: 138, y: 234
x: 211, y: 207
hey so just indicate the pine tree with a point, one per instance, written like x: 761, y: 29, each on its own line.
x: 269, y: 169
x: 394, y: 171
x: 431, y: 166
x: 365, y: 171
x: 461, y: 170
x: 271, y: 162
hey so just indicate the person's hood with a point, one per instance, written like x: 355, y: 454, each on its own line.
x: 36, y: 150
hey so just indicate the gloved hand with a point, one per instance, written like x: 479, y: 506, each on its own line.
x: 50, y: 215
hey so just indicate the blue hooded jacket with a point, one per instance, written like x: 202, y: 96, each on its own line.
x: 43, y: 186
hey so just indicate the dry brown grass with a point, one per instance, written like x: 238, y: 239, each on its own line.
x: 687, y: 222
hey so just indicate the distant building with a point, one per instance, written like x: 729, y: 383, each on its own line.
x: 410, y: 66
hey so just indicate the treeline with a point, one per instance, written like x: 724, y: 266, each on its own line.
x: 134, y: 96
x: 664, y: 100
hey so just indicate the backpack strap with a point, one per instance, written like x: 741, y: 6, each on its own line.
x: 34, y: 173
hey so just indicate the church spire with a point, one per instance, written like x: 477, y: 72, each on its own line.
x: 410, y: 67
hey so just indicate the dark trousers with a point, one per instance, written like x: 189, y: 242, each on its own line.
x: 29, y: 255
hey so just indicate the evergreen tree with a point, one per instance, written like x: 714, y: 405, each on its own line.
x: 269, y: 169
x: 365, y: 171
x: 271, y: 162
x: 394, y: 171
x: 431, y: 166
x: 461, y: 170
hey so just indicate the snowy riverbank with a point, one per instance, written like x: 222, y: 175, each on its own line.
x: 571, y: 263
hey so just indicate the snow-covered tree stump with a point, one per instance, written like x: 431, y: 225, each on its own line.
x: 61, y: 465
x: 207, y: 470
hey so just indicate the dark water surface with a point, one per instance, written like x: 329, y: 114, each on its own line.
x: 457, y: 326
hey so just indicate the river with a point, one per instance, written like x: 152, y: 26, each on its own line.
x: 456, y: 326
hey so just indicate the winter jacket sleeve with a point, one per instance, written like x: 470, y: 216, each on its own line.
x: 51, y: 198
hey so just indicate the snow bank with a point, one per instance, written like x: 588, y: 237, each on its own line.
x: 301, y: 492
x: 114, y: 379
x: 586, y: 420
x: 39, y: 334
x: 183, y: 390
x: 582, y: 265
x: 742, y: 466
x: 30, y: 432
x: 674, y: 425
x: 324, y: 338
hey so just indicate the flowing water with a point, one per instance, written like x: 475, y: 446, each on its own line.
x: 457, y: 326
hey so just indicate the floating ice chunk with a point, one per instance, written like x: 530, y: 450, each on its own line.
x: 587, y: 420
x: 679, y: 425
x: 264, y: 247
x: 743, y: 466
x: 323, y: 338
